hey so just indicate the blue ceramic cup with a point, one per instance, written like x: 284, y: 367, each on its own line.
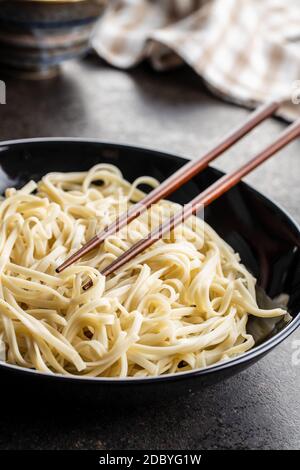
x: 38, y: 35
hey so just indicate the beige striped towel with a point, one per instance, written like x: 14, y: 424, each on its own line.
x: 247, y: 51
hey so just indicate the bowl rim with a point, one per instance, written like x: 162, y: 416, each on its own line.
x: 249, y: 356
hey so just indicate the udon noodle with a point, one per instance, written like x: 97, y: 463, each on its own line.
x: 182, y: 304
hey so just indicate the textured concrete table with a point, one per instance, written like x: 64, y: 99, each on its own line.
x: 258, y: 409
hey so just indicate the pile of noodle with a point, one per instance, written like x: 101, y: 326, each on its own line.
x: 182, y: 304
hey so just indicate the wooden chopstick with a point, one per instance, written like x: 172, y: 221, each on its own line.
x: 175, y: 181
x: 204, y: 199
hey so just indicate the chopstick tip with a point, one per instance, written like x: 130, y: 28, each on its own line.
x: 88, y: 285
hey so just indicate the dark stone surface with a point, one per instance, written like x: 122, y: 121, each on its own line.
x: 259, y: 408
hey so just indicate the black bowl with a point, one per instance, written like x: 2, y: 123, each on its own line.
x: 266, y: 237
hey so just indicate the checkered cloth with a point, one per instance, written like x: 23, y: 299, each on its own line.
x: 247, y: 51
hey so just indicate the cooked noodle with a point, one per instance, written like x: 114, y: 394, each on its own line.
x: 182, y: 304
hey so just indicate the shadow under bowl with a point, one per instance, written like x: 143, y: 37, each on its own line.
x: 266, y: 237
x: 36, y: 36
